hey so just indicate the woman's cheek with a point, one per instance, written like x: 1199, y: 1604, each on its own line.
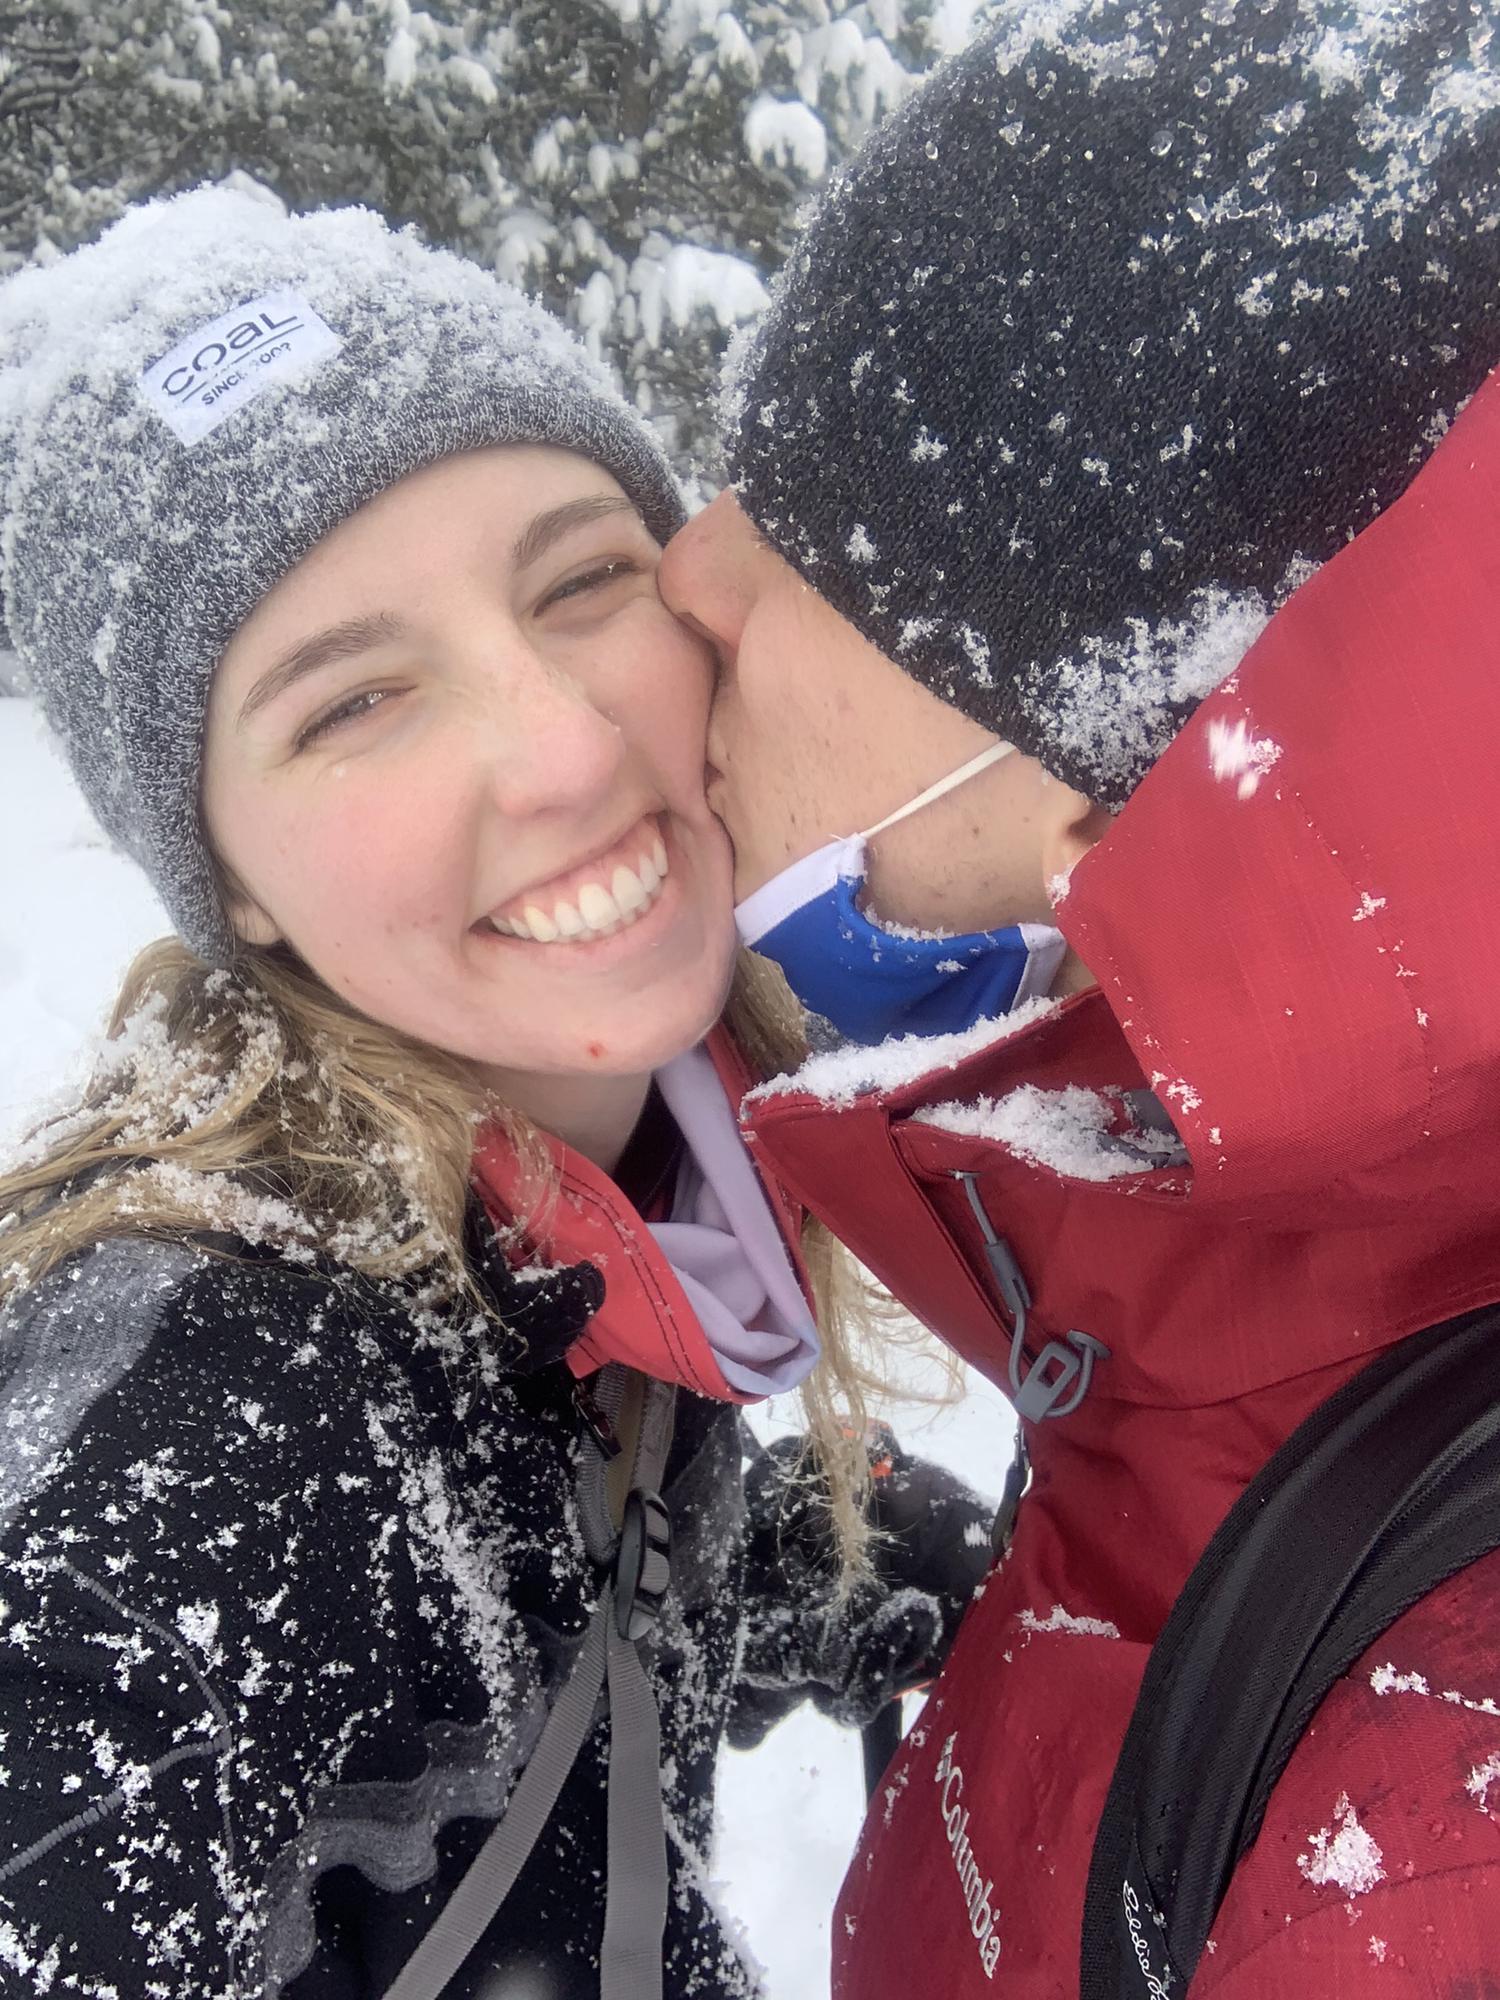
x: 683, y: 693
x: 365, y: 859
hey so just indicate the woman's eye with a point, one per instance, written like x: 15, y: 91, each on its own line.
x: 591, y: 579
x: 347, y: 710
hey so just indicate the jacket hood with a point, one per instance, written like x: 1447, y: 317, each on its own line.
x: 1291, y: 919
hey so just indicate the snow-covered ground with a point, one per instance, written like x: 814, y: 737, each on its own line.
x: 71, y: 915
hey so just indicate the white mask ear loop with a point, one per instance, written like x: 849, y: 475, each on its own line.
x: 944, y: 785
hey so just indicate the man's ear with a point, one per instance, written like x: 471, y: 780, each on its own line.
x: 1071, y: 826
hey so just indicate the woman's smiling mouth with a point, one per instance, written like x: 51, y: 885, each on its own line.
x: 592, y: 901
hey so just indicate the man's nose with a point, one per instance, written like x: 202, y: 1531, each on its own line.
x: 699, y: 577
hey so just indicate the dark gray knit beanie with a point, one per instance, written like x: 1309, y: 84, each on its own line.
x: 1132, y: 315
x: 186, y: 407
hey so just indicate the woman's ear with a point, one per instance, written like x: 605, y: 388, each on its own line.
x: 1071, y: 826
x: 250, y: 923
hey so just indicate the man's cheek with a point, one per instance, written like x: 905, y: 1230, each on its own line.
x: 725, y: 729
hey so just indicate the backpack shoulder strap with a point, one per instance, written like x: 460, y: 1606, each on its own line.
x: 1384, y: 1492
x: 639, y: 1415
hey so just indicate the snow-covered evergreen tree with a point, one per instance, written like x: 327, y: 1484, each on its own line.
x: 638, y: 162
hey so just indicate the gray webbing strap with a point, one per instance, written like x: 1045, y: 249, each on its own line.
x: 636, y: 1900
x: 468, y: 1912
x: 635, y: 1912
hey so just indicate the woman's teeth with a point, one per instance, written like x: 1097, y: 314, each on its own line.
x: 598, y: 907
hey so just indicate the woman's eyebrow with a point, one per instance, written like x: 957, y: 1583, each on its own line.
x: 335, y: 642
x: 544, y: 529
x: 358, y: 635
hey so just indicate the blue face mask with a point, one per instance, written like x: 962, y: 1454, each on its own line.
x: 872, y: 982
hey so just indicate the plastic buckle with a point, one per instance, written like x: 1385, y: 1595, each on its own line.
x: 591, y: 1415
x: 1060, y: 1367
x: 643, y: 1567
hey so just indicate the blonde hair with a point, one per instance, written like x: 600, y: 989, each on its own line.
x: 253, y: 1102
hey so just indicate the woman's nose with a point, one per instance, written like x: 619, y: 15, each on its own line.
x: 550, y: 745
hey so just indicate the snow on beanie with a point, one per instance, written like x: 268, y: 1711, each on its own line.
x: 186, y: 407
x: 1129, y: 317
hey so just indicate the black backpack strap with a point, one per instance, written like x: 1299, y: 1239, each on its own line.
x: 1386, y: 1490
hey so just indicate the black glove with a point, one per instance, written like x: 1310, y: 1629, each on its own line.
x: 887, y: 1635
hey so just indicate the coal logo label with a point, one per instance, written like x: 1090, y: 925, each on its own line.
x: 230, y: 361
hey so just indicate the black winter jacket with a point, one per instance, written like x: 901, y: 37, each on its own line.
x: 289, y: 1569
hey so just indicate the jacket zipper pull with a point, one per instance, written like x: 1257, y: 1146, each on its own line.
x: 592, y: 1416
x: 1058, y: 1380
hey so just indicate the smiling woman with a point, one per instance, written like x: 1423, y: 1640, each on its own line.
x: 477, y: 811
x: 408, y: 1197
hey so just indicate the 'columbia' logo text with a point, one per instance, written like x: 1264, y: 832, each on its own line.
x: 976, y: 1890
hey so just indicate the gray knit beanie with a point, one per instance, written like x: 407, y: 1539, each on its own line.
x: 186, y: 407
x: 1132, y: 315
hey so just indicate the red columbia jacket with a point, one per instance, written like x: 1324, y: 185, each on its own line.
x: 1295, y: 927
